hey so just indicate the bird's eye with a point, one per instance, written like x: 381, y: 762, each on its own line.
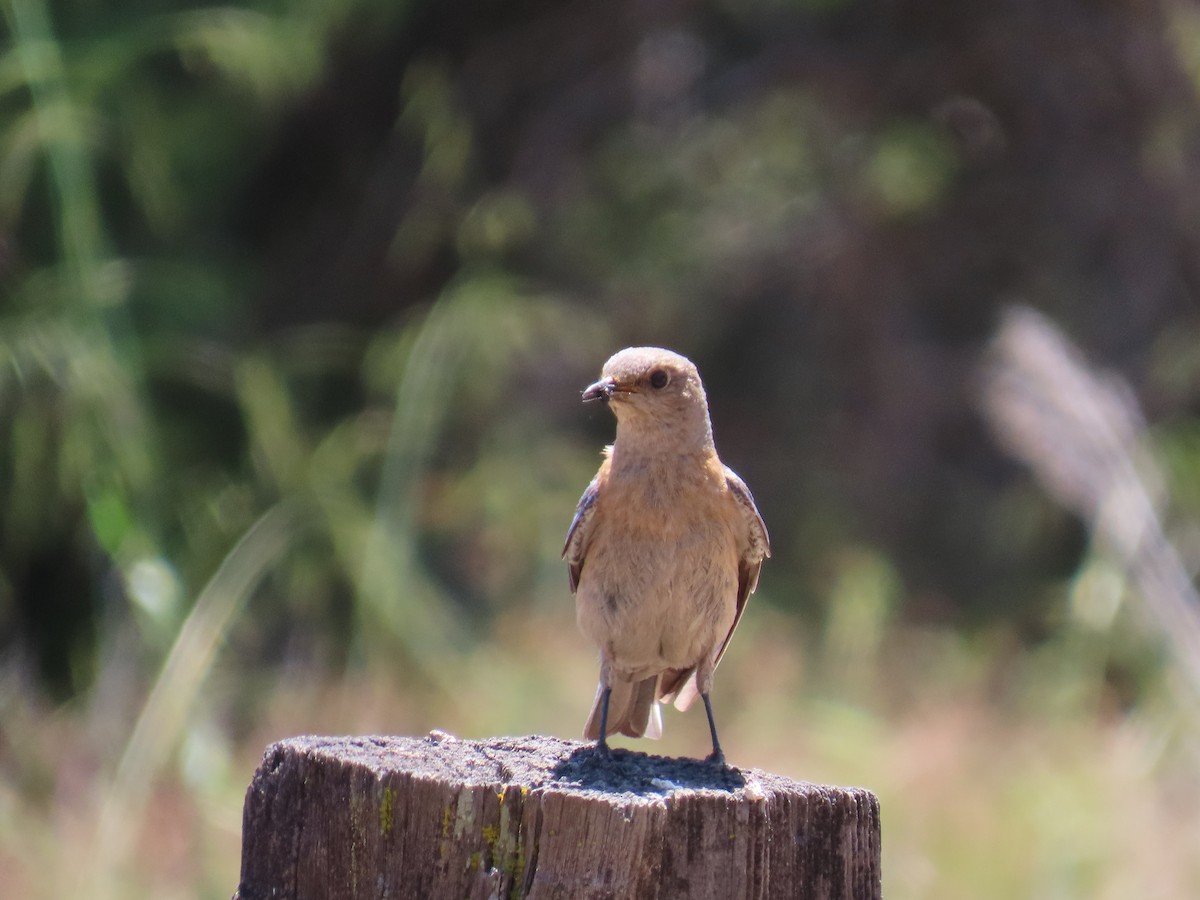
x: 659, y: 379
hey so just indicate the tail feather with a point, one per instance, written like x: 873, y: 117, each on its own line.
x: 679, y: 686
x: 645, y: 719
x: 632, y: 710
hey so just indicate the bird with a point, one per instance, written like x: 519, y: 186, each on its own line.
x: 664, y: 550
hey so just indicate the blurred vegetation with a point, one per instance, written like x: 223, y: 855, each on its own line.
x: 295, y: 303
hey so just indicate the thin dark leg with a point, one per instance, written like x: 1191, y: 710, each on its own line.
x: 602, y: 744
x: 717, y: 756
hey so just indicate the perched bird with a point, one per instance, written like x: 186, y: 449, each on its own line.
x: 664, y: 550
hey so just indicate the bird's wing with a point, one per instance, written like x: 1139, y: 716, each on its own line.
x: 754, y: 550
x: 575, y: 549
x: 680, y: 684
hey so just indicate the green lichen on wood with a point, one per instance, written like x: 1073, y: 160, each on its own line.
x: 387, y: 811
x: 444, y: 843
x: 509, y: 856
x: 518, y: 872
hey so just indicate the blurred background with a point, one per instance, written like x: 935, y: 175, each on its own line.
x: 296, y: 303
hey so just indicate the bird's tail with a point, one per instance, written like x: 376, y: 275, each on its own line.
x: 631, y: 710
x: 678, y: 686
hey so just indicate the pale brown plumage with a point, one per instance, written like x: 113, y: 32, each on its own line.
x: 665, y: 547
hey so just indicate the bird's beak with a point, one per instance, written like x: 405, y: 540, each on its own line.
x: 601, y: 390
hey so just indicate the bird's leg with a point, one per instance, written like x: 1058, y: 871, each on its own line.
x: 704, y: 680
x: 602, y: 743
x: 717, y: 756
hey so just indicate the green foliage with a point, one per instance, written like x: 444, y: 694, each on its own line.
x: 911, y: 169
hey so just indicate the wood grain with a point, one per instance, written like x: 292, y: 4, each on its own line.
x: 437, y: 817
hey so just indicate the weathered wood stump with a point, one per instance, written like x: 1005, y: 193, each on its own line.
x: 538, y: 817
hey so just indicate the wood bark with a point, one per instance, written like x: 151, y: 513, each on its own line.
x: 392, y: 817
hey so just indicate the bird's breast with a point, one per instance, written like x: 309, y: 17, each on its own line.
x: 659, y: 585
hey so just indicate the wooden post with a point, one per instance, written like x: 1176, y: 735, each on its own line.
x: 539, y: 817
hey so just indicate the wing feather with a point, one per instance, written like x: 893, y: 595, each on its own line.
x: 754, y: 550
x: 575, y: 548
x: 679, y: 685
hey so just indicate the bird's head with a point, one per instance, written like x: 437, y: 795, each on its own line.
x: 650, y: 390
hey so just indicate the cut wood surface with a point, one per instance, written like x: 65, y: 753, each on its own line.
x: 539, y: 817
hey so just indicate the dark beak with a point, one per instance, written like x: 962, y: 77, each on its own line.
x: 601, y: 390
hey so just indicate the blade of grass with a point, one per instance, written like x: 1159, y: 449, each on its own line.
x: 394, y: 589
x: 164, y: 716
x: 80, y: 231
